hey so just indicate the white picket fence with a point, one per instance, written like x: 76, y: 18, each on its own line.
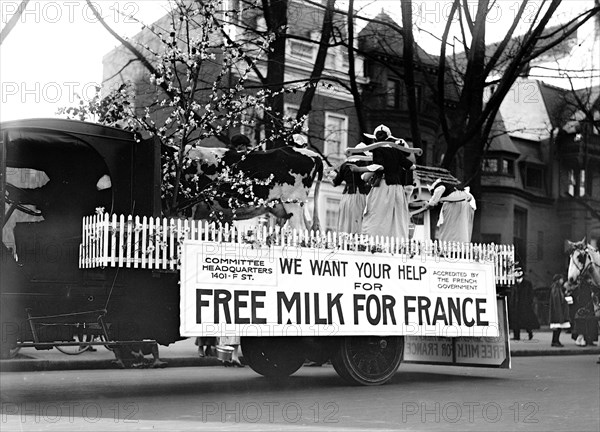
x: 155, y: 243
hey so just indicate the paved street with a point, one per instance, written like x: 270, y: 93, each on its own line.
x: 184, y: 353
x: 558, y: 393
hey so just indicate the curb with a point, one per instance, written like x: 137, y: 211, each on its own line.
x: 556, y: 352
x: 37, y: 365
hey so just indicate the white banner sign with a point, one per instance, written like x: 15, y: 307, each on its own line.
x: 239, y: 289
x: 469, y: 351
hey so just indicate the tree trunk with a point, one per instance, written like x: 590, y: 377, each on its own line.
x: 409, y: 71
x: 315, y: 76
x: 352, y: 72
x: 473, y: 151
x: 275, y: 12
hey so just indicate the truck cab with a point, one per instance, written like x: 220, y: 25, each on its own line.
x: 53, y: 172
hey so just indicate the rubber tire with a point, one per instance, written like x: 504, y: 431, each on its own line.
x: 72, y: 349
x: 368, y: 360
x: 273, y: 357
x: 8, y: 338
x: 9, y: 351
x: 6, y: 348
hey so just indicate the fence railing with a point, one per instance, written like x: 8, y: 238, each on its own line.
x: 155, y: 243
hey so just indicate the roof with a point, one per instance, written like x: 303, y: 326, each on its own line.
x: 378, y: 38
x: 591, y: 94
x: 531, y: 159
x: 304, y: 19
x: 57, y: 146
x: 501, y: 141
x: 562, y: 104
x: 68, y: 127
x: 426, y: 175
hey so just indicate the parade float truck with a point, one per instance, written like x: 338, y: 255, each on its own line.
x: 95, y: 256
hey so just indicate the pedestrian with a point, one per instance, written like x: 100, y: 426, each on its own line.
x: 585, y: 328
x: 559, y: 309
x: 354, y: 196
x: 142, y: 350
x: 520, y: 306
x: 134, y: 355
x: 206, y: 346
x: 455, y: 222
x: 386, y: 209
x: 569, y: 287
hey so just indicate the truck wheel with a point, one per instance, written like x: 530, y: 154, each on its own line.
x: 9, y: 331
x: 8, y: 344
x: 8, y: 350
x: 273, y: 357
x: 368, y: 360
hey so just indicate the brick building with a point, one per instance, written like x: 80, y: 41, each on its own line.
x: 540, y: 173
x: 332, y: 123
x: 541, y: 178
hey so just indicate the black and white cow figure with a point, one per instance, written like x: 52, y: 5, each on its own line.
x: 294, y: 171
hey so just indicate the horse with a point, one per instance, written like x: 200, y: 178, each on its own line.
x: 584, y: 258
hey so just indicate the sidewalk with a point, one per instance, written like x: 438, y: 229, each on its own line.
x: 540, y: 345
x: 184, y: 354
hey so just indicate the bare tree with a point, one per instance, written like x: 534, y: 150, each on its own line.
x: 275, y: 13
x: 354, y: 90
x: 468, y: 67
x: 580, y: 112
x: 192, y: 96
x: 478, y: 67
x: 315, y: 77
x: 409, y: 75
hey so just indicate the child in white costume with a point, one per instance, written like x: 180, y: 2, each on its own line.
x: 458, y: 208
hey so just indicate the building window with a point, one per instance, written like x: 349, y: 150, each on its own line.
x: 580, y: 183
x: 336, y: 135
x: 337, y: 58
x: 397, y: 96
x: 301, y: 50
x: 332, y: 211
x: 290, y: 113
x: 345, y: 59
x: 534, y: 177
x: 499, y: 166
x: 490, y: 165
x: 418, y: 97
x: 572, y: 183
x: 394, y: 93
x: 508, y: 167
x: 583, y: 184
x: 252, y: 124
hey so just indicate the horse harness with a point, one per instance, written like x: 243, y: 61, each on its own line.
x: 585, y: 260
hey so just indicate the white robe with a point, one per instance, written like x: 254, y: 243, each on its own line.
x: 456, y: 217
x: 386, y: 212
x: 352, y: 207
